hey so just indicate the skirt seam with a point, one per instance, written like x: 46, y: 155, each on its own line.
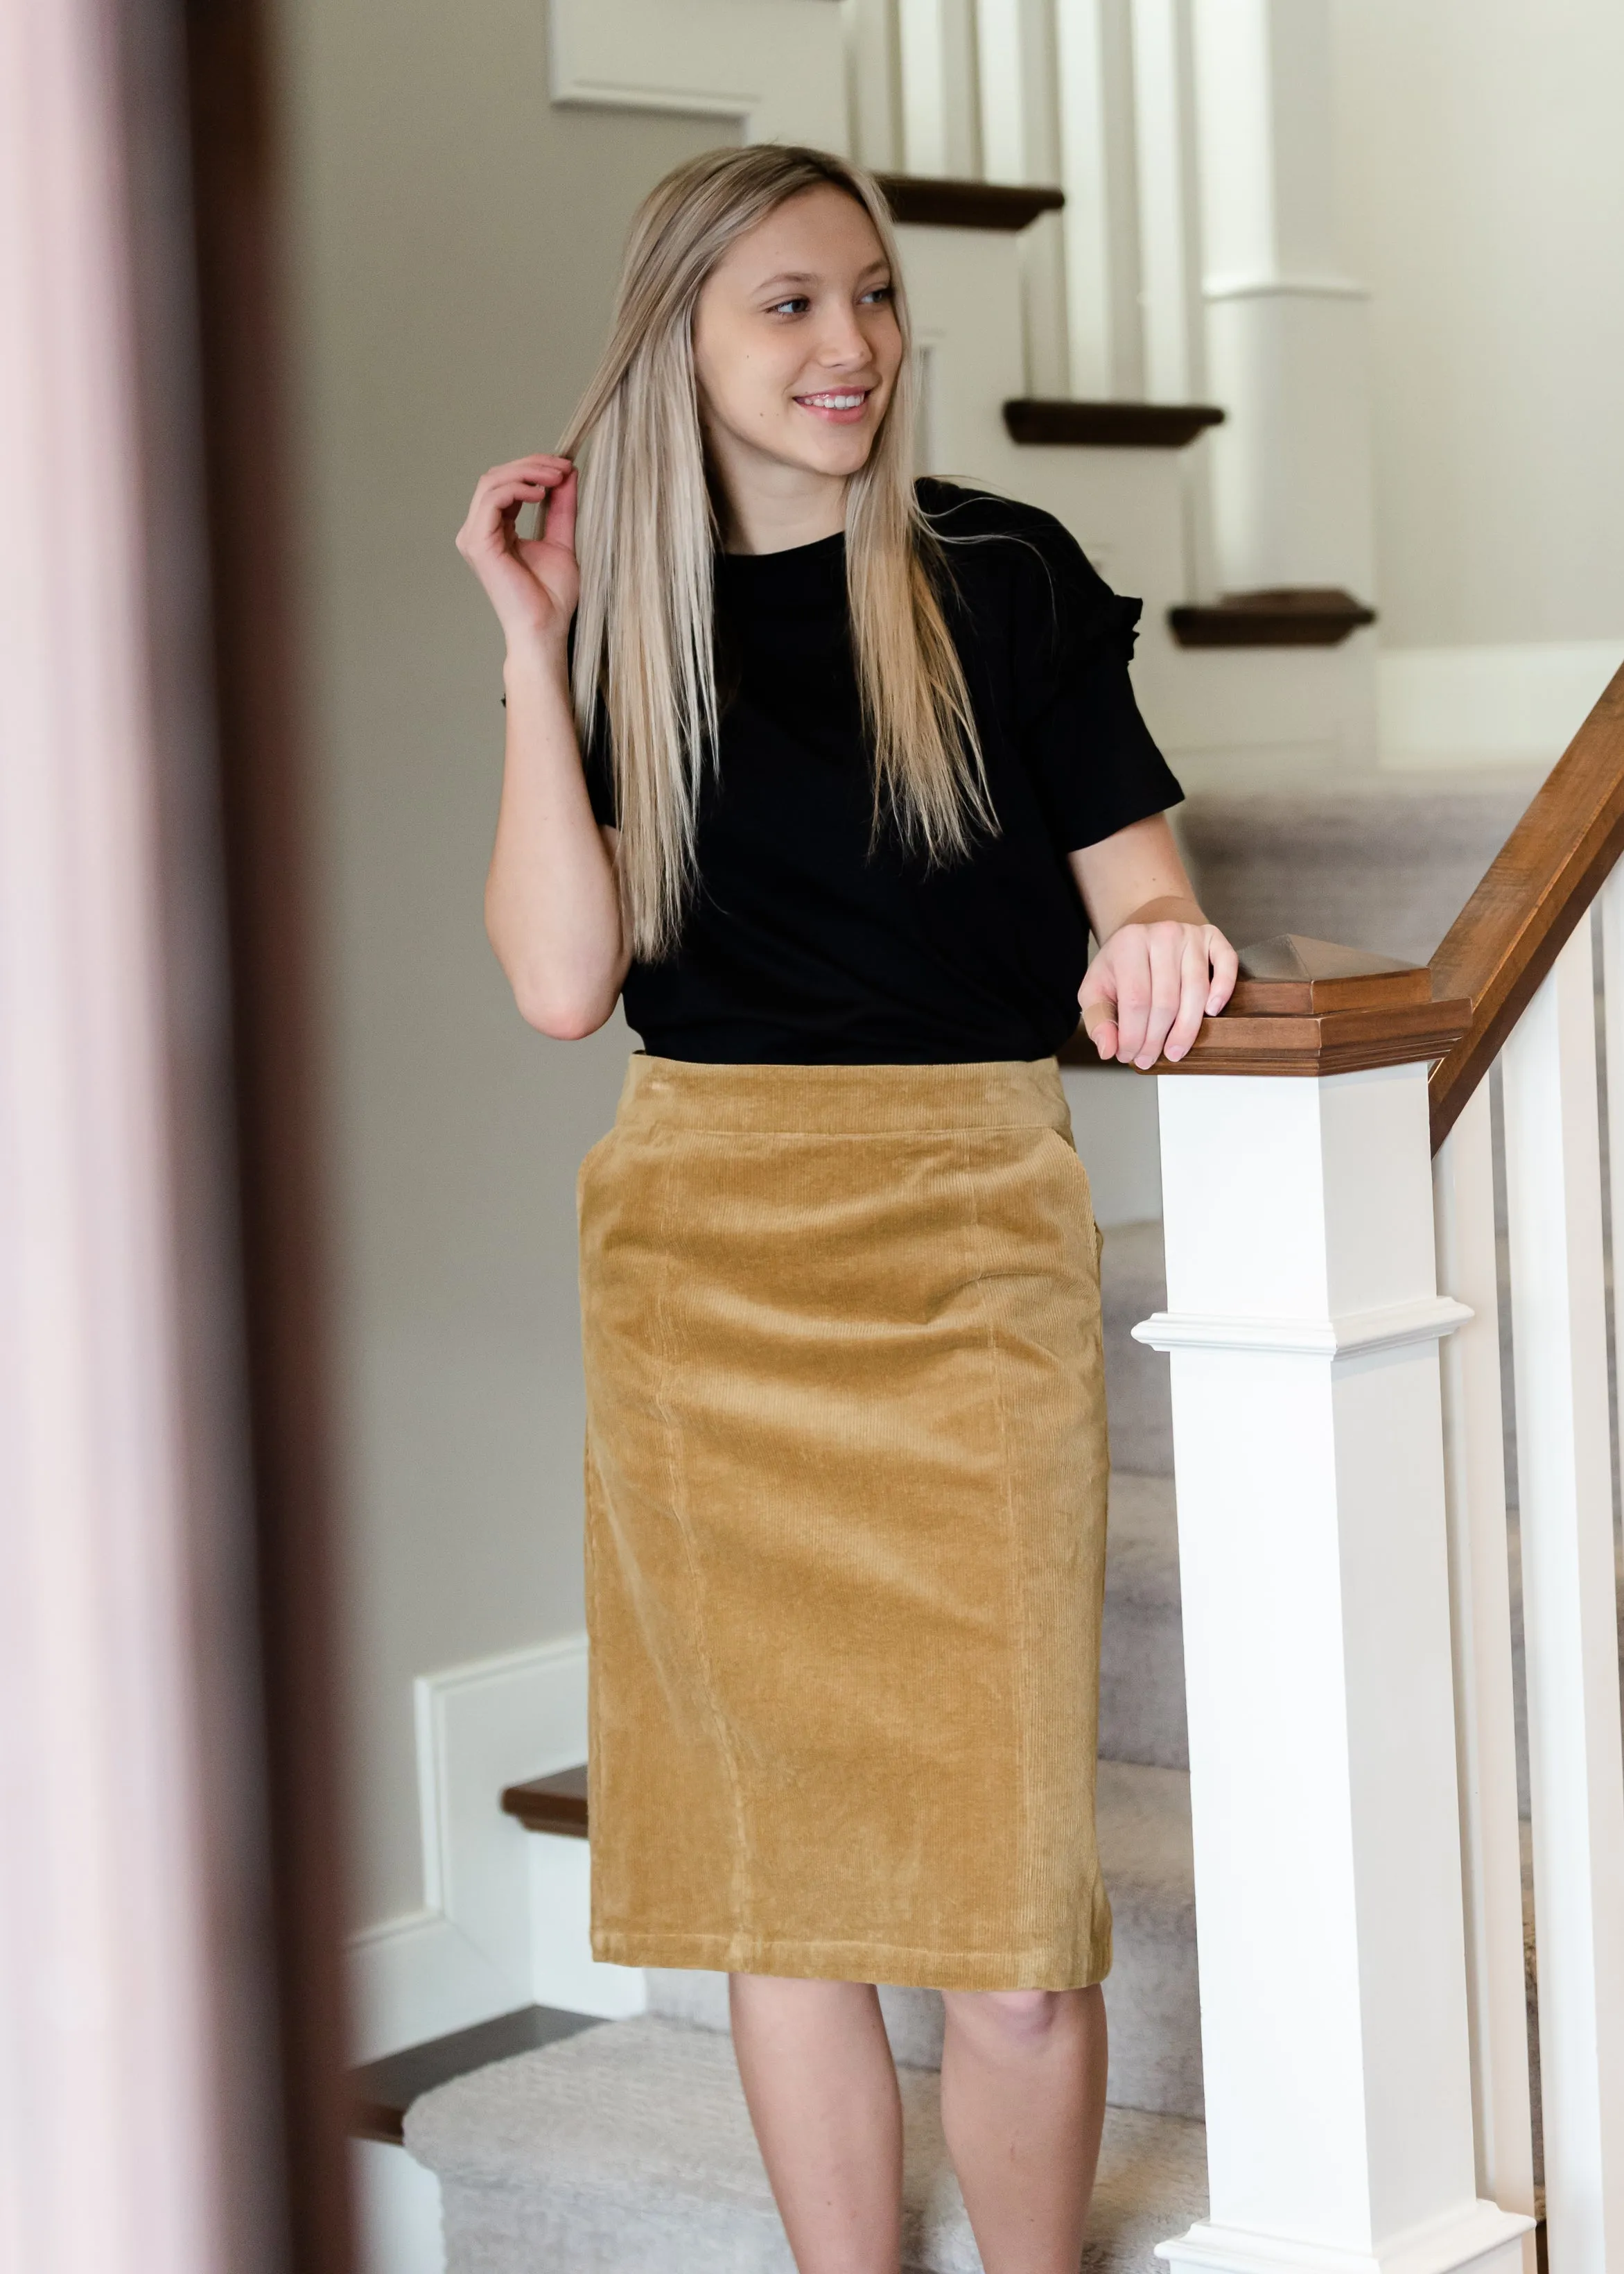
x: 1015, y: 1593
x: 743, y: 1899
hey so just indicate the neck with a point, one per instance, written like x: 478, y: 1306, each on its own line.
x: 770, y: 507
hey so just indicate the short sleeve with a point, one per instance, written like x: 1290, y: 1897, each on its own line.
x: 1094, y: 763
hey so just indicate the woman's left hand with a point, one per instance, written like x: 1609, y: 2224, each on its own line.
x: 1151, y: 985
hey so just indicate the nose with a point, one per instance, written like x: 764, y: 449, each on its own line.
x: 842, y: 341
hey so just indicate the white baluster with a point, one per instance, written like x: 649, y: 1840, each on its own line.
x: 1613, y: 993
x: 1285, y: 328
x: 940, y: 124
x: 1168, y: 202
x: 1016, y: 53
x: 1570, y: 1624
x: 1486, y: 1732
x: 874, y: 88
x: 1099, y: 173
x: 1303, y: 1318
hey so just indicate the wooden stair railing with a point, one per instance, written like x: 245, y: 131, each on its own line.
x: 1308, y: 1006
x: 1305, y: 1006
x: 1536, y: 889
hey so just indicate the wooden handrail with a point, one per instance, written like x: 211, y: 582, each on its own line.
x: 1538, y: 887
x: 1308, y: 1007
x: 1459, y: 1011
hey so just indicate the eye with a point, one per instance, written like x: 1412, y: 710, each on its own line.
x: 796, y: 305
x: 879, y: 293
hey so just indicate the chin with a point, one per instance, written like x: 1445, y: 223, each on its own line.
x: 845, y: 454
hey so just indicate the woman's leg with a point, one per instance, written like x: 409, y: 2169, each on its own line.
x: 1023, y: 2102
x: 822, y: 2088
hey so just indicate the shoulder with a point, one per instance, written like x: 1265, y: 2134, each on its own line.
x: 998, y: 550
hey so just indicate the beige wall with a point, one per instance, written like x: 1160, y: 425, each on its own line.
x: 1482, y: 169
x: 456, y: 243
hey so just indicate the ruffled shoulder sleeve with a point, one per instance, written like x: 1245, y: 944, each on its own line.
x: 1094, y: 761
x: 1076, y: 724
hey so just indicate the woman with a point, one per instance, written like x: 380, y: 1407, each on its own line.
x: 830, y: 779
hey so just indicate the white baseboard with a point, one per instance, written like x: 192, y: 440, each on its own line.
x: 468, y: 1952
x: 1513, y: 704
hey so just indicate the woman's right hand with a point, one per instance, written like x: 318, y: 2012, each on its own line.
x: 532, y: 582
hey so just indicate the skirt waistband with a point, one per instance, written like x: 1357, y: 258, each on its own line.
x: 842, y: 1101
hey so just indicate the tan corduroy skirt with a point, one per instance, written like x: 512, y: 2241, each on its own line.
x: 845, y: 1525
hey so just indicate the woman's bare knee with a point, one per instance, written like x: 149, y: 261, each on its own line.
x: 1014, y: 2020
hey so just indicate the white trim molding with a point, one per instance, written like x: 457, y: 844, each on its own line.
x: 777, y: 67
x: 1516, y: 703
x: 1480, y: 2236
x: 466, y: 1953
x: 1352, y: 1334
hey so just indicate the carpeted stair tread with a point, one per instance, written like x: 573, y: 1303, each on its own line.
x: 1138, y: 1398
x: 1387, y: 863
x: 1143, y: 1816
x: 629, y: 2148
x: 1152, y: 1993
x: 1142, y: 1712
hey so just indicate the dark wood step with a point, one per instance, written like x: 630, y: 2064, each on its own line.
x: 933, y: 202
x: 382, y: 2091
x: 551, y: 1803
x: 1110, y: 425
x: 1309, y: 615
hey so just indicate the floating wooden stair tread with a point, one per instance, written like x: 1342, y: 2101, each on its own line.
x: 551, y: 1803
x: 382, y: 2091
x: 931, y: 203
x: 1304, y: 616
x: 1110, y: 425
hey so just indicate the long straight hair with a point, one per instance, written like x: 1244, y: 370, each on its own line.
x: 645, y: 646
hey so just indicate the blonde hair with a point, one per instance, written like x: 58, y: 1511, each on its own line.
x: 644, y: 657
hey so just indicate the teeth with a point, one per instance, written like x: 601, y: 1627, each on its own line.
x: 833, y: 402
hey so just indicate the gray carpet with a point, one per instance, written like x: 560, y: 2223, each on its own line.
x: 627, y: 2149
x: 1385, y: 864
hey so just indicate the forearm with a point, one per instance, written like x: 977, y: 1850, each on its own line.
x: 552, y: 908
x: 1135, y: 877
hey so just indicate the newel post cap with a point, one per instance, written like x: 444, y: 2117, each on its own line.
x: 1311, y: 1006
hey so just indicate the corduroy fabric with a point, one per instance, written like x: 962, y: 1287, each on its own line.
x: 846, y: 1478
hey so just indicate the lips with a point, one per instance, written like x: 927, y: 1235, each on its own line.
x: 840, y: 405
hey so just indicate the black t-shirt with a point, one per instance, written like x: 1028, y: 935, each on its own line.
x: 804, y: 945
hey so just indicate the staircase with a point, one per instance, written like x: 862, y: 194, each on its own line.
x: 627, y: 2146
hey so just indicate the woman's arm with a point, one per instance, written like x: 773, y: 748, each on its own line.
x: 1160, y: 968
x: 552, y: 904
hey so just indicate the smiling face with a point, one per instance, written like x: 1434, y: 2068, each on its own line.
x: 796, y: 351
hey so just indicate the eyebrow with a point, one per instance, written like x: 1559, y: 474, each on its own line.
x: 806, y: 276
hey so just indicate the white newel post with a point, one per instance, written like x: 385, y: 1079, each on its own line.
x: 1303, y: 1322
x: 1285, y: 327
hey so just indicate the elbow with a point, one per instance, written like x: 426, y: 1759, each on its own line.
x: 563, y: 1016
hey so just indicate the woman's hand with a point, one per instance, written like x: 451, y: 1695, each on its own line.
x: 1147, y: 992
x: 532, y: 582
x: 1162, y: 967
